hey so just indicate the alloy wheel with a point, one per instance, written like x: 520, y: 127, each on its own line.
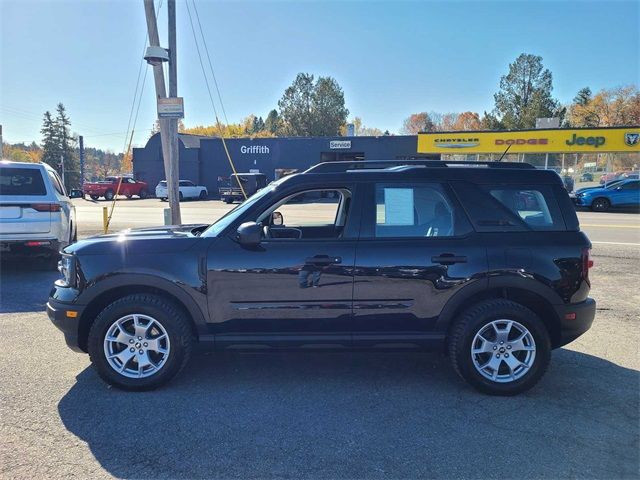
x: 136, y: 346
x: 503, y: 351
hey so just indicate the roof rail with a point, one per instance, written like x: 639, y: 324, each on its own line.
x: 344, y: 166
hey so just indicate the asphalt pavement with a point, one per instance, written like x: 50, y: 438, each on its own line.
x: 321, y: 415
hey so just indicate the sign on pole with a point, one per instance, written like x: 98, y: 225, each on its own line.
x: 172, y: 107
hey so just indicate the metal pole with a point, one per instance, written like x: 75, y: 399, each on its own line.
x: 161, y: 92
x: 546, y: 161
x: 81, y: 145
x: 62, y: 170
x: 173, y: 122
x: 1, y: 150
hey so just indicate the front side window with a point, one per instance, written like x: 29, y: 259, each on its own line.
x: 312, y: 214
x: 413, y: 210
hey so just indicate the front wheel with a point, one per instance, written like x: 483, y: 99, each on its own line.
x: 140, y: 342
x: 600, y: 205
x: 94, y: 197
x: 500, y: 347
x: 109, y: 195
x: 203, y: 195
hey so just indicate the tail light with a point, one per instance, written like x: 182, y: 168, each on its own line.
x: 45, y: 207
x: 587, y: 262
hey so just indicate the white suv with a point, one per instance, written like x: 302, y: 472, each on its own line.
x: 36, y: 215
x: 186, y: 189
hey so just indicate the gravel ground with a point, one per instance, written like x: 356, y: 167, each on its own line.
x: 322, y: 415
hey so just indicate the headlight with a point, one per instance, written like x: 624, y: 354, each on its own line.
x: 67, y: 267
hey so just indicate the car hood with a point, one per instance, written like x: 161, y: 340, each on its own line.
x: 587, y: 189
x: 150, y: 240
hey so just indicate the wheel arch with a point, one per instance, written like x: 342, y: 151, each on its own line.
x: 533, y: 300
x: 110, y: 293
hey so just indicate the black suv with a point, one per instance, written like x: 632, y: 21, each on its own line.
x: 485, y: 261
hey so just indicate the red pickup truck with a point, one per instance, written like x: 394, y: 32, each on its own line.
x: 108, y: 187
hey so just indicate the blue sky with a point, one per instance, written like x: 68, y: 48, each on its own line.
x: 391, y: 58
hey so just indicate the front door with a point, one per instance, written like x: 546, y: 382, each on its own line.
x: 414, y: 254
x: 294, y: 288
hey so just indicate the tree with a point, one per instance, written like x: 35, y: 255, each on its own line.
x: 467, y: 121
x: 50, y: 146
x: 416, y: 123
x: 309, y: 108
x: 525, y: 93
x: 272, y: 123
x: 490, y: 122
x: 608, y: 108
x: 67, y: 148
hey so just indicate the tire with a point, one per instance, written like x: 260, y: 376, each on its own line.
x: 129, y: 197
x: 94, y: 197
x: 203, y: 195
x: 163, y: 199
x: 169, y: 327
x: 180, y: 196
x: 228, y: 200
x: 600, y: 205
x: 108, y: 195
x: 484, y: 318
x: 143, y: 194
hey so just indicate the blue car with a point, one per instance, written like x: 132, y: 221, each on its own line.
x: 623, y: 194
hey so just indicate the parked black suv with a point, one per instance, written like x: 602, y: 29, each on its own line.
x: 485, y: 261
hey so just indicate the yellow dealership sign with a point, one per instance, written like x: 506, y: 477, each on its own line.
x: 557, y: 140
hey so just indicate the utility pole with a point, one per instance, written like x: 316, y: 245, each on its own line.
x: 173, y: 122
x: 81, y: 146
x: 165, y: 127
x: 1, y: 150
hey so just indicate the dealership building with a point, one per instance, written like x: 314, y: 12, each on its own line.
x: 203, y: 159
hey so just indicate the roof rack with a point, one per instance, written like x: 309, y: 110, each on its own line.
x: 400, y: 165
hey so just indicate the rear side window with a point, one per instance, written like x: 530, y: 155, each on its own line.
x: 56, y: 182
x: 528, y: 203
x: 21, y: 181
x: 414, y: 210
x: 510, y: 207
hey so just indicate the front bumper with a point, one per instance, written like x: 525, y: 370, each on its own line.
x: 66, y: 317
x: 572, y: 328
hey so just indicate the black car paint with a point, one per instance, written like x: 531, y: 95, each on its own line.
x: 373, y: 292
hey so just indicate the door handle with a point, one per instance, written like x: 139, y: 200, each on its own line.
x: 323, y: 260
x: 448, y: 259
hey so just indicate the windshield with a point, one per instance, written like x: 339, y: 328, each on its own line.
x: 215, y: 229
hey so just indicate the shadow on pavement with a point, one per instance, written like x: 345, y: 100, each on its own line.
x: 25, y: 284
x: 360, y: 415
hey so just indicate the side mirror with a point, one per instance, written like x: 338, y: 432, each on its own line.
x: 249, y: 234
x: 277, y: 219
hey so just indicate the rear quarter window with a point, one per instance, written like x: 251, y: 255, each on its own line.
x: 22, y: 181
x: 510, y: 207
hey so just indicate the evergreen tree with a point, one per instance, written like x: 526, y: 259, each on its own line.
x: 272, y: 123
x: 67, y: 148
x: 50, y: 147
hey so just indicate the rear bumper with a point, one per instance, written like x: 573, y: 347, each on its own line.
x: 570, y: 329
x: 31, y: 246
x: 58, y: 313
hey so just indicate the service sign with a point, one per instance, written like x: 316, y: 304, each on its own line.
x: 339, y: 144
x: 581, y: 140
x: 171, y: 107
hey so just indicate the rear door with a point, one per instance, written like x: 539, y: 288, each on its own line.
x: 24, y: 201
x: 627, y: 194
x: 416, y: 251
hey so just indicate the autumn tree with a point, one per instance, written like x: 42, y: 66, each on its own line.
x: 467, y: 121
x: 416, y: 123
x: 608, y: 108
x: 525, y: 93
x: 312, y: 107
x: 490, y: 122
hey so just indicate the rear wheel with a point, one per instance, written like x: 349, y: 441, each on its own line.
x: 94, y: 197
x: 180, y: 196
x: 500, y: 347
x: 143, y: 194
x: 140, y: 342
x: 600, y: 205
x: 109, y: 195
x: 203, y: 195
